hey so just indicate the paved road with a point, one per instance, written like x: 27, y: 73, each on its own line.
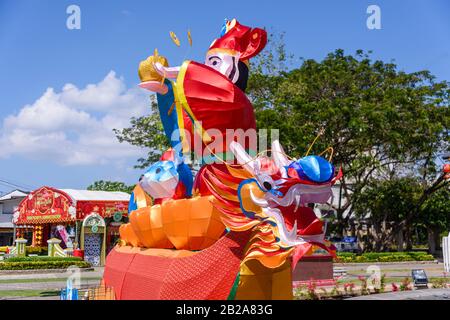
x: 97, y: 273
x: 422, y: 294
x: 400, y: 270
x: 50, y: 286
x: 42, y: 282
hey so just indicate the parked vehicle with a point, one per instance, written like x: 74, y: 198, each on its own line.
x: 346, y: 244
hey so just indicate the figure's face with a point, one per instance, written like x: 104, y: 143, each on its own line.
x: 225, y: 63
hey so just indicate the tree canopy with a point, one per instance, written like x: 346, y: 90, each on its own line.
x: 102, y: 185
x: 379, y: 121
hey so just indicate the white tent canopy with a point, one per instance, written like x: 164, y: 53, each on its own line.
x: 87, y: 195
x: 13, y: 194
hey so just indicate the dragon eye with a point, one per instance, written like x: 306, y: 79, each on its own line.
x: 265, y: 182
x: 267, y: 185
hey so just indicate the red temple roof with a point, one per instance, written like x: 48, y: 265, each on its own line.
x: 51, y: 205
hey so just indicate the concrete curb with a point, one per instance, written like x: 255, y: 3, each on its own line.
x: 356, y: 264
x: 38, y: 271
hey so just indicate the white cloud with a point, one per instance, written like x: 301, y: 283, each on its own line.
x: 74, y: 126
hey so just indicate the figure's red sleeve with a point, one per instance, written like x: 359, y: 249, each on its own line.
x: 209, y: 97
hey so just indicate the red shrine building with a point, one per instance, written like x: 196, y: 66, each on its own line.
x: 81, y: 219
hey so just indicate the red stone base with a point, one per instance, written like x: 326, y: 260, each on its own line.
x: 318, y: 269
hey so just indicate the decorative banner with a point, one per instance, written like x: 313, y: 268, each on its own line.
x: 45, y: 205
x: 103, y: 208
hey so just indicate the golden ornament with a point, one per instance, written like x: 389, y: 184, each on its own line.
x: 147, y: 71
x: 174, y: 38
x: 189, y: 37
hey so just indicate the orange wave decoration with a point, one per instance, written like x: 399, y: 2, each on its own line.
x: 147, y: 225
x: 183, y: 224
x: 128, y: 236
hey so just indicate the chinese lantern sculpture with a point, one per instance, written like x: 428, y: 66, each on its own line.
x: 239, y: 228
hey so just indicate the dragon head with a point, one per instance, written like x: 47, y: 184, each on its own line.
x: 273, y: 198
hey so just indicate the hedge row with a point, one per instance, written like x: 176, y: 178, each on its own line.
x: 383, y: 257
x: 30, y: 265
x: 42, y: 258
x: 29, y: 250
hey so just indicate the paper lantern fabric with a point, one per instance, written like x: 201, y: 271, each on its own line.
x: 241, y: 40
x: 207, y: 274
x: 192, y: 224
x: 314, y: 168
x: 148, y: 228
x: 127, y: 234
x: 257, y: 282
x: 186, y: 224
x: 233, y: 232
x: 209, y: 98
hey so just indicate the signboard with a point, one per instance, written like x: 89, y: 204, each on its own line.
x: 419, y: 277
x: 105, y: 209
x: 45, y: 205
x: 44, y: 200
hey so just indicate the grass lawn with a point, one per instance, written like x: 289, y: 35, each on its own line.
x: 28, y: 293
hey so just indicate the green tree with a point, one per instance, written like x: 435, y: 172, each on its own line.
x: 384, y: 204
x: 435, y: 217
x: 378, y: 119
x: 102, y: 185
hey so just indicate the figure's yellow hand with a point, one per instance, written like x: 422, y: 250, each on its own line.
x: 151, y: 79
x: 147, y: 71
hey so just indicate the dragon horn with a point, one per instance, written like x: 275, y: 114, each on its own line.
x: 243, y: 158
x: 278, y: 155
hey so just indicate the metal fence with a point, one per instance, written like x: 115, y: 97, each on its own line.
x: 89, y: 293
x: 99, y: 293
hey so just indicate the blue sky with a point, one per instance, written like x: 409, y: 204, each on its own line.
x: 61, y: 136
